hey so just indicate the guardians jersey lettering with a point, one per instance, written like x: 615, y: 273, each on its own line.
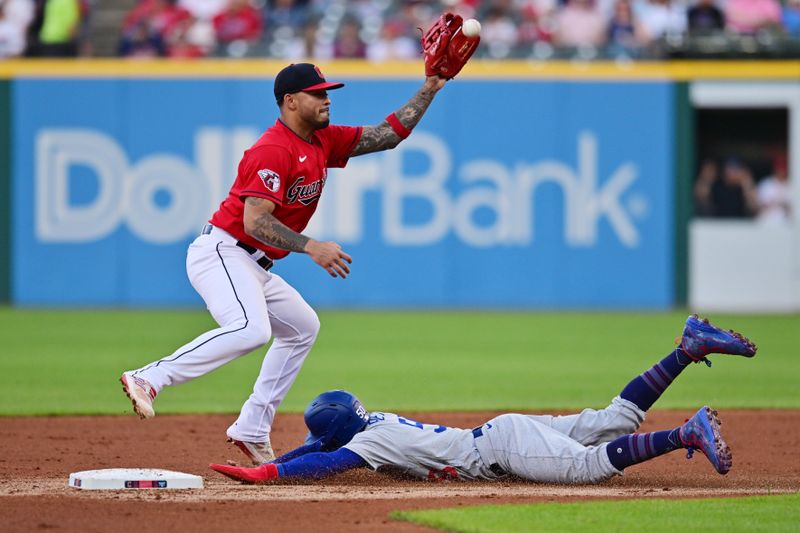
x: 290, y: 172
x: 305, y: 194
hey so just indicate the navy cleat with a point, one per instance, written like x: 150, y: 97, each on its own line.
x: 701, y: 432
x: 701, y: 337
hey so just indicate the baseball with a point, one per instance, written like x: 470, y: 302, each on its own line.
x: 471, y: 28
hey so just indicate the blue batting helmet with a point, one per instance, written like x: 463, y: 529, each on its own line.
x: 334, y: 417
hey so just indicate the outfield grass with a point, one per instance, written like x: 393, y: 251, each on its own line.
x: 68, y: 362
x: 764, y: 513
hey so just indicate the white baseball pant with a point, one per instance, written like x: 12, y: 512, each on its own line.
x: 251, y: 306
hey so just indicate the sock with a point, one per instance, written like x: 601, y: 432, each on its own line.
x: 648, y: 387
x: 639, y: 447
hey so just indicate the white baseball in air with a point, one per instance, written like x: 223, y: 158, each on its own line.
x: 471, y: 28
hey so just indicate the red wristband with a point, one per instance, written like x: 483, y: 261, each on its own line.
x: 268, y: 471
x: 397, y: 126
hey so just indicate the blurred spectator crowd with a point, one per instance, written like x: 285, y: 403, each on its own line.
x: 729, y: 190
x: 379, y: 30
x: 51, y: 28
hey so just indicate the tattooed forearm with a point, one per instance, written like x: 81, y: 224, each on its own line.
x: 375, y: 139
x: 411, y: 113
x: 269, y: 230
x: 382, y: 136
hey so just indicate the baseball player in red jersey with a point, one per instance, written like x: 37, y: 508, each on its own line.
x: 279, y: 182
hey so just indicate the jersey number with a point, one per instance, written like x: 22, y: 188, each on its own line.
x: 420, y: 425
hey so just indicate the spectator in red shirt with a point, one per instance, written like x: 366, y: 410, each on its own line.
x: 160, y: 15
x: 152, y: 21
x: 240, y: 21
x: 190, y: 39
x: 536, y: 24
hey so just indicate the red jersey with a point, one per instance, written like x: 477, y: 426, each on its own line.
x: 238, y: 23
x: 289, y: 171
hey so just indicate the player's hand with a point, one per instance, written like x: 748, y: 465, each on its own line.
x: 330, y: 256
x: 258, y: 474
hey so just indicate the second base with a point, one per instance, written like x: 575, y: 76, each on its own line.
x: 133, y: 478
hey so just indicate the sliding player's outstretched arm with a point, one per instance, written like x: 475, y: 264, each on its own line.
x: 314, y: 465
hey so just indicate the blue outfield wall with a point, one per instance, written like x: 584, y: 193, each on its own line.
x: 520, y: 194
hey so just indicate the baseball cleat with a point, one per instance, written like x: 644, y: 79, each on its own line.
x: 701, y: 337
x: 701, y: 432
x: 141, y: 394
x: 258, y: 474
x: 258, y: 452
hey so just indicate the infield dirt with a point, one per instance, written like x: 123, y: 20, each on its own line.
x: 39, y: 453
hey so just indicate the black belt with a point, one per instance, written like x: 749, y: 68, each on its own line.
x: 263, y: 261
x: 494, y: 467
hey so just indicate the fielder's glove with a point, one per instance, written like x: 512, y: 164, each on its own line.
x: 445, y: 48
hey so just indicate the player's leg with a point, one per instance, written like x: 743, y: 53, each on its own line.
x: 626, y: 412
x: 593, y: 426
x: 295, y: 326
x: 701, y: 432
x: 230, y: 282
x: 699, y: 339
x: 522, y: 446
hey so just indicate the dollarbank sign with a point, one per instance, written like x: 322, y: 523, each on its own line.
x: 565, y: 202
x: 163, y: 198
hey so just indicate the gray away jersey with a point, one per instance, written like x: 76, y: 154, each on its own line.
x: 423, y: 450
x: 544, y: 448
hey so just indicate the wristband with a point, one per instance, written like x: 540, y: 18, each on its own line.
x: 270, y: 471
x: 397, y: 126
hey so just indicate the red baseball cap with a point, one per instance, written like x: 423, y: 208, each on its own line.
x: 301, y: 77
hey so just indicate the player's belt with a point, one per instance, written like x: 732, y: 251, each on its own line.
x: 263, y: 261
x: 494, y: 467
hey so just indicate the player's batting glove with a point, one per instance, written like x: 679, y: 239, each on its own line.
x: 445, y: 48
x: 258, y: 474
